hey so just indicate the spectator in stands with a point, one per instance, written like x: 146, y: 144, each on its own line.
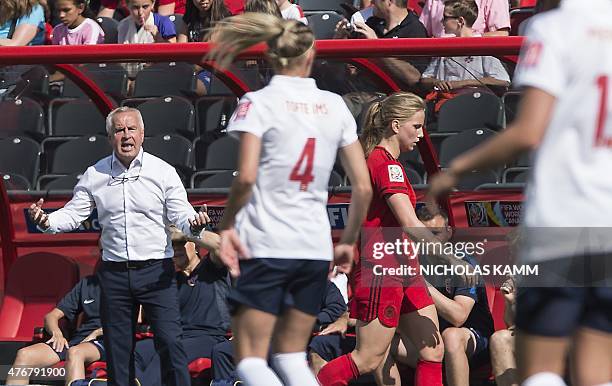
x: 503, y: 358
x: 333, y: 307
x: 22, y: 23
x: 84, y: 347
x: 76, y: 27
x: 136, y: 194
x: 145, y: 26
x: 164, y: 7
x: 203, y: 285
x: 265, y: 6
x: 291, y: 11
x: 200, y: 16
x: 396, y: 21
x: 493, y: 18
x: 448, y: 74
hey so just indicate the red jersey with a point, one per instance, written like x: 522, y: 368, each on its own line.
x: 388, y: 177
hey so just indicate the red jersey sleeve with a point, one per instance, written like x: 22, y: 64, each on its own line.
x: 390, y: 178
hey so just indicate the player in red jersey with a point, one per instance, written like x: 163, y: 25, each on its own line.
x: 383, y: 303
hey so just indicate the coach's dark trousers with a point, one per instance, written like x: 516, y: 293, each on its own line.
x: 124, y: 286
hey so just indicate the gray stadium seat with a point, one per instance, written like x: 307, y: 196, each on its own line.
x: 470, y: 111
x: 168, y: 115
x: 20, y: 155
x: 21, y: 117
x: 324, y: 24
x: 75, y: 117
x: 76, y: 155
x: 457, y: 144
x: 160, y: 79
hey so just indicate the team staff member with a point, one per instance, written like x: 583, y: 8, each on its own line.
x: 203, y: 286
x: 84, y: 347
x: 290, y: 133
x: 136, y: 195
x: 565, y: 114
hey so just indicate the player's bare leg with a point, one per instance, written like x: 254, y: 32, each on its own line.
x: 503, y: 360
x: 591, y: 353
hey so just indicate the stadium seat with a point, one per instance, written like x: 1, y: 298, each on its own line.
x: 324, y: 24
x: 21, y: 117
x: 200, y: 368
x: 335, y: 179
x: 110, y: 77
x: 109, y: 26
x: 222, y: 154
x: 165, y: 79
x: 412, y: 160
x: 168, y: 115
x: 20, y: 155
x: 34, y: 285
x: 75, y: 117
x: 322, y: 5
x: 208, y: 180
x: 455, y: 145
x: 76, y: 155
x: 37, y: 83
x: 517, y: 17
x: 516, y: 174
x: 510, y: 101
x: 15, y: 182
x: 470, y: 111
x: 174, y: 149
x: 59, y: 182
x: 474, y: 179
x: 213, y: 113
x: 413, y: 176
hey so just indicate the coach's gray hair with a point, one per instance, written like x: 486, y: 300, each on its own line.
x: 119, y: 110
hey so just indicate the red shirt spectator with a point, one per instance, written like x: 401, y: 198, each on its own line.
x: 235, y: 6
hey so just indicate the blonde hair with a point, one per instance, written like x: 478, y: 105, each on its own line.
x: 400, y: 106
x: 288, y: 40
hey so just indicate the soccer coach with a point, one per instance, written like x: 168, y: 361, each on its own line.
x: 137, y: 195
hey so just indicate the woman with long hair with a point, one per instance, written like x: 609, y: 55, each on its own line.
x: 200, y: 16
x: 275, y: 232
x: 22, y: 23
x: 384, y: 304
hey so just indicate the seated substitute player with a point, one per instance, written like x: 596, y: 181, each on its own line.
x: 333, y: 307
x: 466, y: 323
x: 203, y: 285
x: 86, y: 344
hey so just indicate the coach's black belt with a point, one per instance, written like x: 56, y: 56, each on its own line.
x: 133, y: 264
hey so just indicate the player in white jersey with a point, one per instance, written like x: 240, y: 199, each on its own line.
x: 290, y: 132
x: 565, y: 112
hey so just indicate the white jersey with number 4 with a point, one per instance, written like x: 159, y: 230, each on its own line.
x: 568, y: 54
x: 301, y: 129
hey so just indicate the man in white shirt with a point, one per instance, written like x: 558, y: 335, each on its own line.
x: 136, y: 195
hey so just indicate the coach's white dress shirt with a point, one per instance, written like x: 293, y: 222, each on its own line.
x: 134, y: 207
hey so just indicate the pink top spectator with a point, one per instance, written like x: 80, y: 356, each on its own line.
x: 493, y: 15
x: 89, y: 32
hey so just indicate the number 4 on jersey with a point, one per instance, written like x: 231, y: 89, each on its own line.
x: 307, y: 157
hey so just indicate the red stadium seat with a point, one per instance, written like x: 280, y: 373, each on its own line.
x: 35, y: 283
x: 200, y: 368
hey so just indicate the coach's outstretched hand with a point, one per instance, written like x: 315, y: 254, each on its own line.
x: 38, y: 216
x: 343, y: 257
x: 231, y: 250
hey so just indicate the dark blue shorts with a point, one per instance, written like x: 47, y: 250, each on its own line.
x: 271, y: 285
x: 559, y: 311
x: 332, y: 346
x: 481, y: 352
x: 98, y: 343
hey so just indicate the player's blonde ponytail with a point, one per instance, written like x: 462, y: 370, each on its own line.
x: 288, y: 40
x: 399, y: 105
